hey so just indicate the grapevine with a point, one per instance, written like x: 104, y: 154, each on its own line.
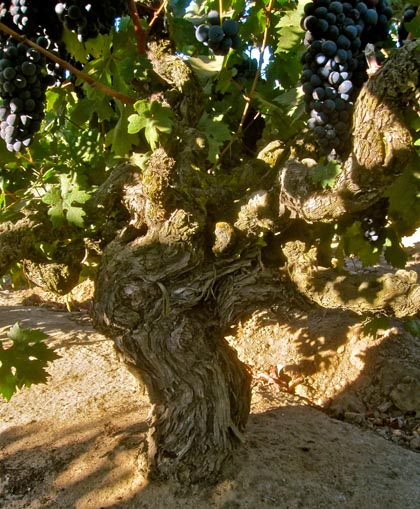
x: 334, y: 69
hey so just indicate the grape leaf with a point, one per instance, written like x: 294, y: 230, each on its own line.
x: 394, y: 251
x: 119, y: 137
x: 413, y: 327
x: 77, y: 50
x: 153, y: 118
x: 374, y: 324
x: 62, y: 199
x: 356, y: 244
x: 286, y: 67
x: 216, y: 132
x: 404, y: 196
x: 183, y: 33
x: 24, y: 362
x: 326, y: 174
x: 413, y: 27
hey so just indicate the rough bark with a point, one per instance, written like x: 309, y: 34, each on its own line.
x: 381, y: 146
x: 19, y: 242
x: 377, y: 292
x: 167, y: 306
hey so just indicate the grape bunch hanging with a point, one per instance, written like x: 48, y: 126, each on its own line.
x: 24, y: 72
x: 23, y: 86
x: 220, y: 36
x: 88, y: 19
x: 334, y: 69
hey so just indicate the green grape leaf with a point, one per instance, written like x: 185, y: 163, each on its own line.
x: 153, y: 118
x: 394, y: 253
x: 73, y: 46
x: 224, y: 81
x: 56, y: 211
x: 82, y: 111
x: 372, y: 325
x: 404, y: 196
x: 74, y: 215
x: 183, y: 33
x: 61, y: 199
x: 413, y: 27
x: 413, y: 327
x: 326, y: 174
x: 216, y: 132
x: 286, y: 67
x: 23, y: 360
x: 356, y: 244
x: 119, y: 137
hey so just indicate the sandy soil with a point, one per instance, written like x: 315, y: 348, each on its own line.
x: 335, y: 419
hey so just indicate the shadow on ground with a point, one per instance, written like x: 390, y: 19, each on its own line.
x: 295, y: 456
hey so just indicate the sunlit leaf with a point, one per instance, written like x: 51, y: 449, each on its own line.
x: 326, y: 174
x: 23, y: 359
x: 216, y: 132
x: 373, y: 325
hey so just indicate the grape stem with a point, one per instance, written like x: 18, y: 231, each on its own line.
x: 138, y: 29
x: 249, y: 97
x: 65, y: 65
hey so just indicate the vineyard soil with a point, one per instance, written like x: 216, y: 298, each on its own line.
x: 335, y: 426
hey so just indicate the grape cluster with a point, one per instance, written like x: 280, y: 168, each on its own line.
x: 33, y: 19
x: 220, y: 36
x: 89, y: 18
x: 24, y: 72
x: 334, y: 69
x: 409, y: 13
x: 22, y: 88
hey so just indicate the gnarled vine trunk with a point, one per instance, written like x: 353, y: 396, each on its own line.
x: 190, y: 264
x: 189, y: 252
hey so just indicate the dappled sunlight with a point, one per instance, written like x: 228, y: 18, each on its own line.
x: 64, y: 329
x: 84, y: 454
x: 95, y: 456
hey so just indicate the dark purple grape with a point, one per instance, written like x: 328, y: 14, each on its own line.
x: 336, y: 7
x: 370, y: 17
x: 321, y: 12
x: 345, y: 87
x: 321, y: 59
x: 236, y: 42
x: 315, y: 81
x: 213, y: 17
x: 202, y: 33
x: 319, y: 94
x: 216, y: 33
x: 329, y: 48
x: 343, y: 42
x: 230, y: 27
x: 310, y: 23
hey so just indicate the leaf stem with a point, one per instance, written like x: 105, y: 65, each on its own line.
x: 65, y: 65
